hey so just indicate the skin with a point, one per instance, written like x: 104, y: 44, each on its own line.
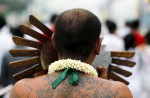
x: 89, y: 87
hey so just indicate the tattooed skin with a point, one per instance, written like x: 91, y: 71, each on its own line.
x: 88, y: 87
x: 14, y: 94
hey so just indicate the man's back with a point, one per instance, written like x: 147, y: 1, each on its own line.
x: 89, y: 87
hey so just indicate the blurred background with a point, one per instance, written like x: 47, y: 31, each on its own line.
x: 125, y: 27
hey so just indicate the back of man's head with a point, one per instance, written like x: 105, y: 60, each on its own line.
x: 111, y: 26
x: 16, y: 32
x: 128, y: 24
x: 53, y: 18
x: 77, y: 31
x: 147, y: 37
x: 135, y: 24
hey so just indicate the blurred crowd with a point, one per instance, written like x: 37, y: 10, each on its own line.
x: 129, y: 38
x: 126, y: 38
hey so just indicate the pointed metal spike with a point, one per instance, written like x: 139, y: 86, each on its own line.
x: 40, y: 26
x: 122, y: 54
x: 25, y: 62
x: 123, y: 62
x: 25, y: 53
x: 115, y: 77
x: 33, y: 34
x: 28, y: 72
x: 26, y: 42
x: 119, y: 70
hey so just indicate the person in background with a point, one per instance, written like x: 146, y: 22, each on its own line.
x: 143, y: 64
x: 52, y: 22
x: 134, y: 38
x: 129, y: 40
x: 5, y: 37
x: 125, y: 30
x: 112, y: 41
x: 2, y: 24
x: 77, y: 41
x: 7, y: 70
x: 139, y: 39
x: 139, y: 81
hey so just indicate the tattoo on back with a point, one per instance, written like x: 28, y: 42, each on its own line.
x: 14, y: 94
x: 87, y: 88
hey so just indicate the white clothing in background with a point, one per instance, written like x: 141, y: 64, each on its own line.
x: 123, y: 32
x: 135, y: 79
x: 143, y: 62
x: 113, y: 43
x: 6, y: 42
x: 116, y: 43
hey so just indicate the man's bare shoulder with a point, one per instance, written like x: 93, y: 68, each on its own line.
x: 124, y: 91
x: 17, y: 90
x: 112, y: 89
x: 25, y: 88
x: 119, y: 89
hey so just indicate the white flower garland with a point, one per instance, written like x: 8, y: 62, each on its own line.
x: 74, y: 64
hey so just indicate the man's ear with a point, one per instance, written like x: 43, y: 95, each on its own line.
x: 98, y: 46
x: 53, y: 42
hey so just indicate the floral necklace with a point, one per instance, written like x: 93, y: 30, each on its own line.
x: 70, y: 67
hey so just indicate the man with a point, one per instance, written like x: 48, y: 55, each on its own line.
x: 5, y: 36
x: 134, y: 38
x: 8, y: 71
x: 76, y: 37
x: 139, y: 39
x: 52, y: 22
x: 142, y: 69
x: 112, y: 41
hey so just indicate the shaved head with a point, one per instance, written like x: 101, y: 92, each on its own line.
x: 77, y: 31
